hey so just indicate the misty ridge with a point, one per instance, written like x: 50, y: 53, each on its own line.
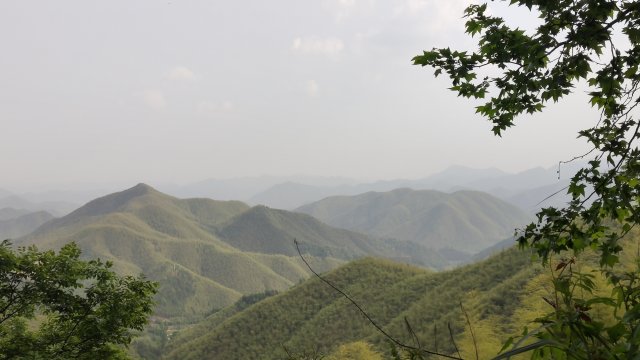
x: 526, y: 189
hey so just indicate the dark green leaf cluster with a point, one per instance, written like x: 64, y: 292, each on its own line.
x: 56, y: 306
x: 578, y: 41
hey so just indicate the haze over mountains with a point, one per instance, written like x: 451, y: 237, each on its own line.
x: 524, y: 189
x: 15, y: 223
x: 466, y: 221
x: 209, y: 254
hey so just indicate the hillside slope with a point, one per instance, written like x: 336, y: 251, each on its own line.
x: 22, y: 224
x: 206, y: 254
x: 270, y: 231
x: 313, y: 316
x: 465, y: 220
x: 173, y: 241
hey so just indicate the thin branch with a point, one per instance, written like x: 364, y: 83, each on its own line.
x: 552, y: 195
x: 452, y: 340
x: 435, y: 337
x: 473, y: 336
x: 413, y: 333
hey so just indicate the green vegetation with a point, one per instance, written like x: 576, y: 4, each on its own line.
x: 595, y: 43
x: 265, y: 230
x: 174, y: 242
x: 313, y: 316
x: 55, y: 306
x: 207, y: 255
x: 500, y: 296
x: 466, y: 220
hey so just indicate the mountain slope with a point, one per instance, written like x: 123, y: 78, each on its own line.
x: 22, y: 224
x: 206, y: 254
x: 8, y: 213
x: 173, y: 241
x: 466, y: 220
x: 313, y: 316
x: 271, y: 231
x: 57, y: 208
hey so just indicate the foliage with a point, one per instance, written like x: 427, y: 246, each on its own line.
x: 595, y: 43
x: 56, y: 306
x: 312, y: 316
x: 358, y: 350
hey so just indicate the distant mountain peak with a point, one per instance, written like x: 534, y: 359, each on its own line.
x: 114, y: 202
x: 142, y: 189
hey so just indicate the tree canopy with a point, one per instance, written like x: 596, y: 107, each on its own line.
x: 56, y: 306
x: 592, y: 44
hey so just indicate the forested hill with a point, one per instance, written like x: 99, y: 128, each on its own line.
x: 173, y: 241
x: 206, y: 254
x: 313, y: 316
x: 270, y: 231
x: 465, y: 220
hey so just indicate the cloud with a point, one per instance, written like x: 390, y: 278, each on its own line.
x: 327, y: 46
x: 344, y: 9
x: 210, y: 108
x: 154, y: 99
x: 435, y: 14
x: 181, y: 73
x: 312, y: 88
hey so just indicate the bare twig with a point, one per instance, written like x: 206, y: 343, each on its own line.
x: 413, y: 333
x: 452, y: 340
x: 473, y: 336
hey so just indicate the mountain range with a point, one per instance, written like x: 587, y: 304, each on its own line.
x: 206, y: 254
x: 525, y: 189
x: 466, y: 221
x: 15, y: 223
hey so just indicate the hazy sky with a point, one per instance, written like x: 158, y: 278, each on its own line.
x: 179, y: 91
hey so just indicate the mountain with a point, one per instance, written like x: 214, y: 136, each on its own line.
x: 173, y: 241
x: 549, y: 195
x: 247, y: 187
x: 8, y: 213
x: 22, y: 224
x: 270, y: 231
x: 206, y: 254
x: 57, y: 208
x: 506, y: 186
x: 290, y: 195
x: 312, y: 316
x: 466, y: 221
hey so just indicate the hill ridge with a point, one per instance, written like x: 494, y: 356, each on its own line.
x: 466, y: 220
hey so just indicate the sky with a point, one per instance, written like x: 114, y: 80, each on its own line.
x: 179, y: 91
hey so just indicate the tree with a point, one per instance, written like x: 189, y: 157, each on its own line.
x: 56, y: 306
x: 592, y: 43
